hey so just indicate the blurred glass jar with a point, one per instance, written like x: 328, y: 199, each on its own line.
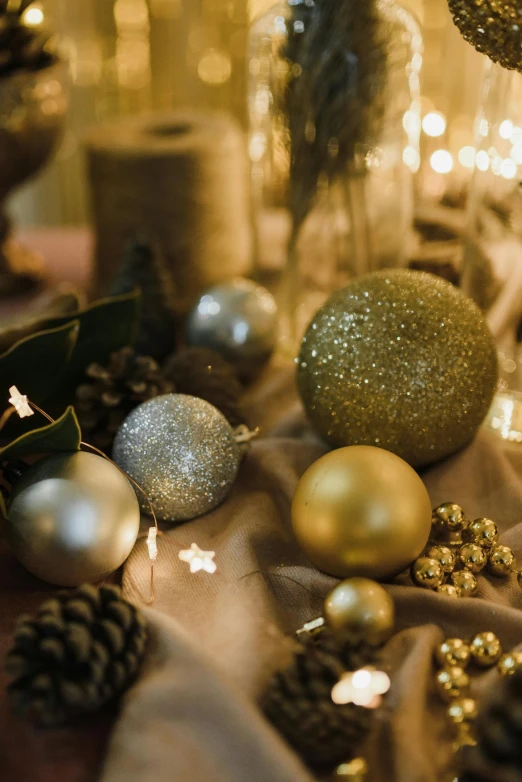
x: 324, y: 216
x: 492, y: 269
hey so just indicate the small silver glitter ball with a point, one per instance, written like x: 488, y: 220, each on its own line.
x: 237, y: 319
x: 401, y: 360
x: 182, y: 452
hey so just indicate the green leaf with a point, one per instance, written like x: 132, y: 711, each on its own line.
x: 62, y: 435
x: 36, y: 364
x: 38, y: 316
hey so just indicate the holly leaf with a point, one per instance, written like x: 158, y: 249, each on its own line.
x: 62, y: 435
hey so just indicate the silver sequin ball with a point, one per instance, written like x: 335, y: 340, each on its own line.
x: 182, y: 453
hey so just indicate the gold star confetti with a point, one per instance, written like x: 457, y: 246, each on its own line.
x: 198, y: 559
x: 363, y: 688
x: 20, y: 403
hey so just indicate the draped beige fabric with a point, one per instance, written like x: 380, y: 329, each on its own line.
x: 216, y: 639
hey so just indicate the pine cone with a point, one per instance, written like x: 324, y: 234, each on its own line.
x: 499, y: 723
x: 22, y: 47
x: 144, y: 267
x: 112, y: 392
x: 299, y: 703
x: 82, y: 649
x: 204, y: 373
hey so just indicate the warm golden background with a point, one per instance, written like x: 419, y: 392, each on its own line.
x: 130, y: 56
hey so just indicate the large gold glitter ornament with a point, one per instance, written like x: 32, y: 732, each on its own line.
x: 398, y: 359
x: 361, y: 610
x: 493, y: 27
x: 361, y: 511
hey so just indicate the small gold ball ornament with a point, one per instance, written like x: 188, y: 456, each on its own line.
x: 448, y: 590
x: 465, y: 582
x: 452, y: 682
x: 501, y: 561
x: 444, y: 556
x: 361, y: 610
x: 472, y: 557
x: 483, y: 532
x: 361, y: 511
x: 427, y: 573
x: 509, y: 663
x: 448, y: 517
x: 485, y: 649
x: 453, y: 651
x: 369, y: 369
x: 462, y: 710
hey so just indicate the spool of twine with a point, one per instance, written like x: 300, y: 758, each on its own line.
x: 180, y: 179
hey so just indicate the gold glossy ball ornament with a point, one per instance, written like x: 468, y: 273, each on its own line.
x: 448, y: 590
x: 400, y: 359
x: 483, y: 532
x: 361, y: 610
x: 501, y: 561
x: 472, y: 557
x: 465, y: 582
x: 449, y: 517
x: 361, y: 511
x: 509, y: 663
x: 444, y: 556
x: 462, y: 710
x: 485, y: 649
x: 452, y: 682
x: 72, y: 517
x: 453, y: 651
x: 427, y: 573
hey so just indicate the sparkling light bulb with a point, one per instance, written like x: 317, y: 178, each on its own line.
x: 482, y: 160
x: 441, y: 161
x: 506, y: 129
x: 33, y: 17
x: 466, y: 156
x: 434, y: 124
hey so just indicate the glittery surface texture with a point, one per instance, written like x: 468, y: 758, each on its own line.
x: 182, y: 452
x: 401, y: 360
x: 493, y: 27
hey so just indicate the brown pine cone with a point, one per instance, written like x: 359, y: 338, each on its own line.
x: 204, y: 373
x: 110, y: 393
x: 82, y: 649
x: 299, y: 703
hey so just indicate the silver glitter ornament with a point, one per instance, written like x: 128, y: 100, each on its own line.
x: 182, y: 452
x: 399, y: 359
x: 237, y: 319
x: 72, y: 517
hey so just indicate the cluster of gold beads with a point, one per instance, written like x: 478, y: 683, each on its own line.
x: 458, y: 550
x: 455, y: 656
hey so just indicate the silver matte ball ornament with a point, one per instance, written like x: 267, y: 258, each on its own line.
x: 237, y: 319
x: 72, y: 517
x: 182, y: 452
x: 401, y: 360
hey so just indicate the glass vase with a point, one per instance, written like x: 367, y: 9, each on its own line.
x: 334, y: 144
x: 492, y: 269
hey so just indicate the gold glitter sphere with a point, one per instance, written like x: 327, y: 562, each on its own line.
x: 361, y: 511
x: 465, y: 582
x: 448, y: 517
x: 452, y: 682
x: 472, y: 557
x: 483, y: 532
x: 361, y: 610
x: 453, y: 651
x: 493, y: 28
x: 501, y: 561
x: 462, y: 710
x: 509, y: 663
x: 448, y: 590
x: 444, y: 556
x: 485, y: 649
x: 427, y: 573
x: 399, y: 359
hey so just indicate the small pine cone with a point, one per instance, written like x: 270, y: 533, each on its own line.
x: 105, y: 400
x: 299, y: 703
x: 499, y: 723
x: 204, y: 373
x: 82, y: 649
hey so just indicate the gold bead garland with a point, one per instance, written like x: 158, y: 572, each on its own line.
x: 460, y: 549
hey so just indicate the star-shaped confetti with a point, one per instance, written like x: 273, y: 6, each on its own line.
x: 198, y: 559
x: 20, y: 403
x: 363, y: 688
